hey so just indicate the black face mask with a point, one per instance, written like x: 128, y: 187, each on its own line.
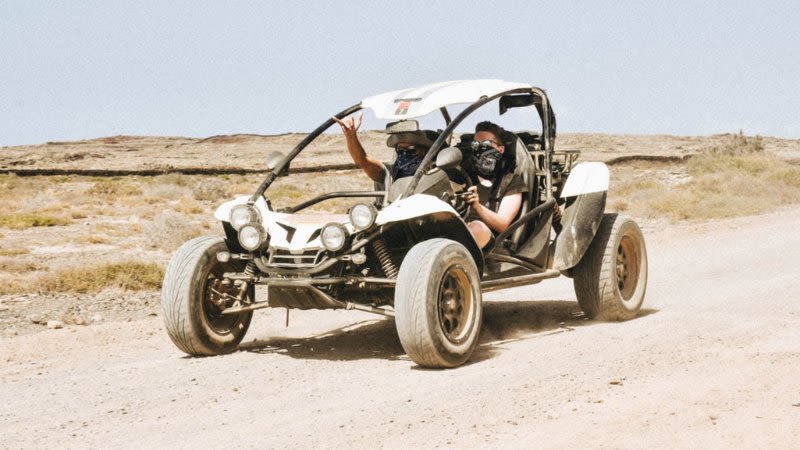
x: 488, y: 162
x: 406, y: 164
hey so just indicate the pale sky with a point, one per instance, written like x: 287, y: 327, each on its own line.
x: 85, y: 69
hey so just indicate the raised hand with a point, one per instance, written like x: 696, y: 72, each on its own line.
x: 350, y: 124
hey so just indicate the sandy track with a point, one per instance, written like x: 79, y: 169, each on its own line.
x: 713, y: 360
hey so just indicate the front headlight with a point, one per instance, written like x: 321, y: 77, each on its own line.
x: 333, y: 236
x: 362, y: 216
x: 241, y: 215
x: 251, y: 236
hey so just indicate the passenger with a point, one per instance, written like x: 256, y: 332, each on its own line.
x: 410, y: 148
x: 497, y: 195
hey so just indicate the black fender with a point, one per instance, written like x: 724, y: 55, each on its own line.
x: 449, y: 226
x: 580, y: 221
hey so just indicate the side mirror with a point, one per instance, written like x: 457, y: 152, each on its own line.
x: 273, y: 159
x: 448, y: 158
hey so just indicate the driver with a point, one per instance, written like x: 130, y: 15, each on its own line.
x: 410, y: 148
x: 497, y: 195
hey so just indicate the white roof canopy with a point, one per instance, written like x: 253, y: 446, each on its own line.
x: 419, y: 101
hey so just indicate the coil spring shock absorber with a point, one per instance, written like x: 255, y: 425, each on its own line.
x: 385, y: 258
x: 250, y: 271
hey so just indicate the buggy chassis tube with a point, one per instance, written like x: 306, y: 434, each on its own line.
x: 296, y: 150
x: 512, y: 260
x: 343, y: 194
x: 346, y: 305
x: 312, y: 281
x: 525, y: 217
x: 486, y: 286
x: 521, y: 280
x: 548, y: 133
x: 309, y: 284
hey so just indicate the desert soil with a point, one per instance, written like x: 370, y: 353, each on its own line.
x: 713, y: 360
x: 250, y: 151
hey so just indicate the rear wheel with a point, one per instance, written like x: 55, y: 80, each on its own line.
x: 193, y: 295
x: 611, y: 278
x: 438, y: 307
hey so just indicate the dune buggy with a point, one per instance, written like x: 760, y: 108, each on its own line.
x: 406, y: 251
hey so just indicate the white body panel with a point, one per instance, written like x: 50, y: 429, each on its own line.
x: 419, y: 101
x: 223, y: 212
x: 415, y: 206
x: 585, y: 178
x: 305, y: 225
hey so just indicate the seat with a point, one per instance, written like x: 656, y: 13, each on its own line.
x: 525, y: 168
x: 517, y: 151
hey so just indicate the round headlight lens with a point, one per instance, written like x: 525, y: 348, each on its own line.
x: 333, y: 236
x: 241, y: 215
x: 362, y: 216
x: 251, y: 236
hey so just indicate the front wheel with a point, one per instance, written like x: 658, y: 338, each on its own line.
x: 611, y: 278
x: 193, y: 295
x: 438, y: 308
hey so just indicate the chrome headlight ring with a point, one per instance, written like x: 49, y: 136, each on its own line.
x: 363, y: 216
x: 333, y: 236
x: 242, y: 215
x: 252, y: 236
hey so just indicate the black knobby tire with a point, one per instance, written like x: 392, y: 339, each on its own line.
x: 611, y: 278
x: 191, y: 316
x: 438, y: 309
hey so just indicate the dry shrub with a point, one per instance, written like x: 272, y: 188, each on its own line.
x: 23, y: 221
x: 95, y: 239
x: 300, y: 187
x: 169, y: 230
x: 619, y: 205
x: 11, y: 265
x: 159, y: 193
x: 210, y: 189
x: 131, y: 276
x: 13, y: 251
x: 13, y: 285
x: 738, y: 144
x: 785, y: 176
x: 637, y: 185
x: 188, y: 205
x: 173, y: 178
x: 735, y: 178
x: 8, y: 182
x: 114, y: 187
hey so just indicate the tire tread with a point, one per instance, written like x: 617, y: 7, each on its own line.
x: 176, y: 291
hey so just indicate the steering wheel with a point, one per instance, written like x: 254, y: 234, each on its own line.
x: 459, y: 204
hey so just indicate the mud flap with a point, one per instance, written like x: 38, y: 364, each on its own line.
x: 585, y: 190
x: 580, y: 222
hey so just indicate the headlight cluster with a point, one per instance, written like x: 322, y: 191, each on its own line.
x: 246, y: 220
x: 251, y: 236
x: 362, y: 216
x: 241, y: 215
x: 333, y: 236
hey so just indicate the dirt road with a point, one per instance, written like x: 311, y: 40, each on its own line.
x: 713, y: 360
